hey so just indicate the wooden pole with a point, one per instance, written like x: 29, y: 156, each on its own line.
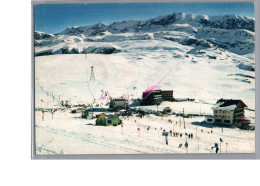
x: 42, y: 115
x: 226, y: 147
x: 198, y: 143
x: 172, y: 128
x: 196, y: 131
x: 183, y: 120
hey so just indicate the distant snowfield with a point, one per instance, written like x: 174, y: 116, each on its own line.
x: 67, y: 77
x: 196, y: 77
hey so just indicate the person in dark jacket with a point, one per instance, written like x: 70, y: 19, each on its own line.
x: 166, y: 139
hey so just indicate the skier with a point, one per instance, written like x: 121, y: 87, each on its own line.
x: 216, y: 146
x: 166, y: 139
x: 217, y: 149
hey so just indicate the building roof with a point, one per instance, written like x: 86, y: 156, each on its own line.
x: 148, y: 91
x: 229, y: 102
x: 110, y: 116
x: 119, y: 99
x: 167, y: 91
x: 106, y: 116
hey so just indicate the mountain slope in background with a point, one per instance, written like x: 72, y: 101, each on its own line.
x: 217, y: 50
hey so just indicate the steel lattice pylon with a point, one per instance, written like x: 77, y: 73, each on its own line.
x: 92, y: 76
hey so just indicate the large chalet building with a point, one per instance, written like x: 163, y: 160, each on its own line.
x: 227, y: 111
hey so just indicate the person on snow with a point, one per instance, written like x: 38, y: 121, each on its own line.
x: 166, y: 139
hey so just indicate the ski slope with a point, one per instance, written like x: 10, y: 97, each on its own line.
x: 69, y: 134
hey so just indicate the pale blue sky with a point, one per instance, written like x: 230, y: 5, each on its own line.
x: 54, y: 18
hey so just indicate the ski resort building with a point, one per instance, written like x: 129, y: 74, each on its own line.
x: 167, y: 95
x: 108, y: 120
x: 155, y: 97
x: 117, y: 104
x: 228, y: 111
x: 152, y: 98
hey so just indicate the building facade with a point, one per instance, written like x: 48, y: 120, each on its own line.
x: 154, y: 98
x: 223, y: 116
x: 107, y: 120
x: 118, y: 104
x: 227, y: 111
x: 167, y: 95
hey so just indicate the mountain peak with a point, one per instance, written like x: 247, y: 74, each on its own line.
x: 194, y: 20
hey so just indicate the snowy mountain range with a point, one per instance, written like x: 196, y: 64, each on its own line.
x: 229, y: 32
x: 163, y: 23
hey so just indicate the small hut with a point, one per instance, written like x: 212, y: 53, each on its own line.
x: 108, y: 120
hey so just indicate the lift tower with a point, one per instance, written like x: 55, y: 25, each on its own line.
x: 92, y: 76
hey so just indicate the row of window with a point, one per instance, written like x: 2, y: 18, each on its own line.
x: 223, y: 116
x: 225, y: 121
x: 224, y: 111
x: 166, y: 94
